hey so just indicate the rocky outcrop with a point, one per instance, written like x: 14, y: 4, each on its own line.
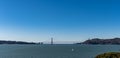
x: 109, y: 55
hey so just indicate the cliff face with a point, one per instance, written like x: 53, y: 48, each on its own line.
x: 102, y: 41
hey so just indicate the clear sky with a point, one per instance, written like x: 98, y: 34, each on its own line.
x: 64, y: 20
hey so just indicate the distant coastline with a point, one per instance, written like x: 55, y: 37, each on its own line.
x: 17, y: 42
x: 96, y: 41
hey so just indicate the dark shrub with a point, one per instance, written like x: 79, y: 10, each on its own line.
x: 109, y: 55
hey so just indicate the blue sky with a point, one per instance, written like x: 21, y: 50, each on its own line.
x: 65, y: 20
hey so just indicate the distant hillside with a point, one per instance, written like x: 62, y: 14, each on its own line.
x: 102, y: 41
x: 15, y: 42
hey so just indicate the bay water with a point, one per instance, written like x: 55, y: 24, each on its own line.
x: 55, y: 51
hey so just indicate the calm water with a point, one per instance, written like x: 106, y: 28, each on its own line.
x: 55, y: 51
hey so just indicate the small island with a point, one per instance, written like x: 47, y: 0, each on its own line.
x: 94, y: 41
